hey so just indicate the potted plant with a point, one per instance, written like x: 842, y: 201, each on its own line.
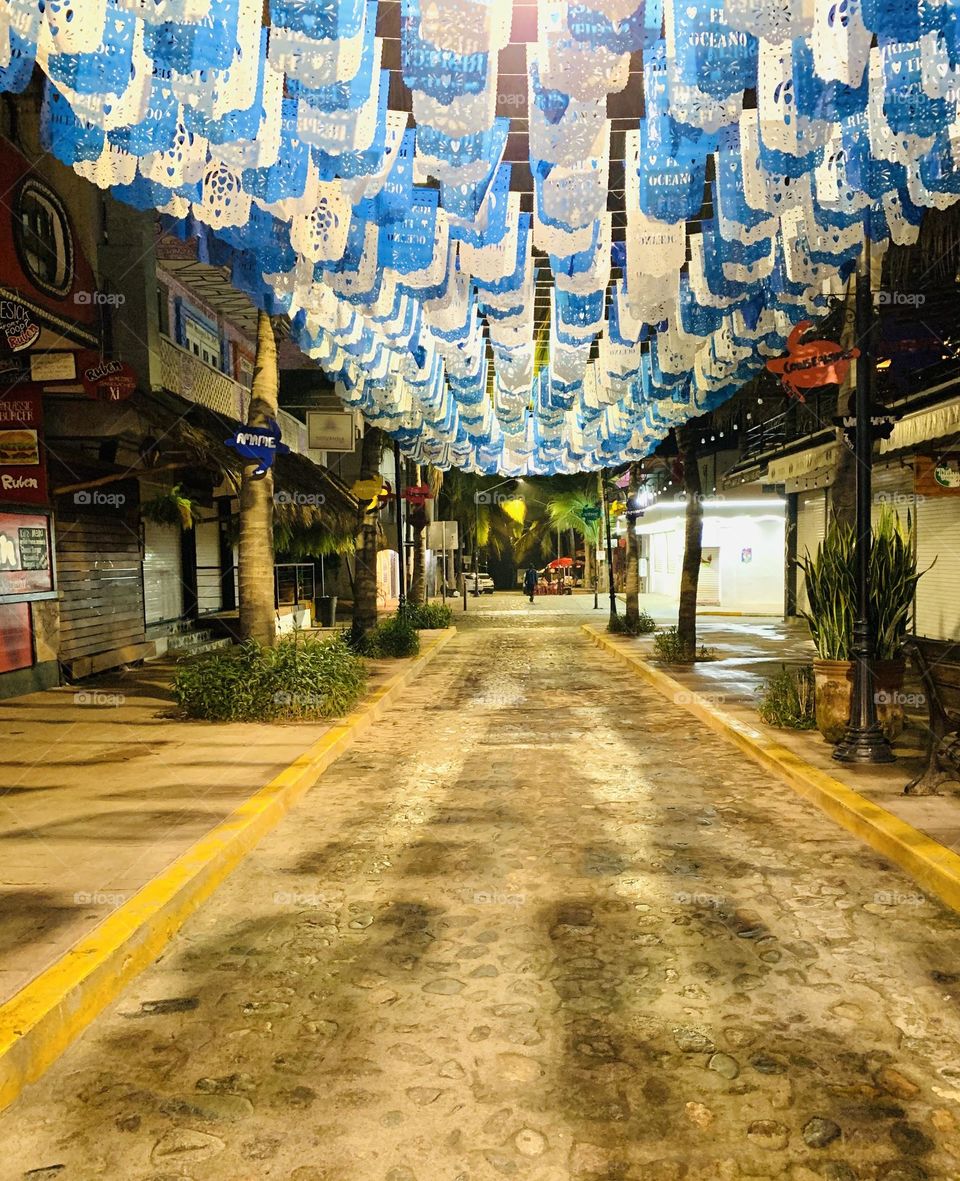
x: 831, y: 596
x: 831, y: 584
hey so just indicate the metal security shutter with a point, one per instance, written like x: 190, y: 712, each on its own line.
x: 938, y: 592
x: 162, y: 572
x: 892, y: 487
x: 811, y: 528
x: 208, y: 566
x: 98, y: 574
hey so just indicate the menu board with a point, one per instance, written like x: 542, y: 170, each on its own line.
x: 26, y: 569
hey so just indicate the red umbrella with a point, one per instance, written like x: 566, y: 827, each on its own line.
x: 559, y: 563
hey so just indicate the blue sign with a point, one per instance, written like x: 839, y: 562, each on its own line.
x: 261, y: 443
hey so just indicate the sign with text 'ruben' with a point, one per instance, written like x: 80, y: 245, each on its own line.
x: 23, y: 473
x: 330, y: 430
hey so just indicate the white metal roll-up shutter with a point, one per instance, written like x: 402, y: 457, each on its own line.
x: 162, y: 572
x: 208, y: 566
x: 892, y: 487
x: 811, y: 529
x: 938, y: 591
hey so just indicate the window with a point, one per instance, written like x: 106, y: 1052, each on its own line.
x: 43, y: 238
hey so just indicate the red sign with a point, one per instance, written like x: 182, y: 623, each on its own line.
x: 417, y: 495
x: 25, y: 560
x: 810, y: 364
x: 108, y: 381
x: 17, y: 327
x: 23, y: 471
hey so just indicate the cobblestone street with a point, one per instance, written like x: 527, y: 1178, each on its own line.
x: 542, y: 925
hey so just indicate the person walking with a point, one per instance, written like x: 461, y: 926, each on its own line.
x: 530, y: 582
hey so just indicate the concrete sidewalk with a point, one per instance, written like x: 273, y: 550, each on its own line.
x: 750, y: 650
x: 101, y: 789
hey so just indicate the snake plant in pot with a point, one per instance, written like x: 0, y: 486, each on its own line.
x: 831, y: 583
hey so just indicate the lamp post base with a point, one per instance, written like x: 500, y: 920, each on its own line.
x: 864, y: 746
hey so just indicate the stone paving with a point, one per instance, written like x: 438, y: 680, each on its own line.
x: 539, y: 926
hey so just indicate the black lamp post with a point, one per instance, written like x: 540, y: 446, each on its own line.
x: 864, y: 741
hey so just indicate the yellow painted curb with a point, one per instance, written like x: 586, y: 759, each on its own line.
x: 932, y: 865
x: 43, y: 1018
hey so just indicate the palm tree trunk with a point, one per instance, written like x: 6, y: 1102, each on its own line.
x: 589, y: 557
x: 255, y: 576
x: 418, y: 589
x: 365, y: 588
x: 693, y: 543
x: 632, y: 585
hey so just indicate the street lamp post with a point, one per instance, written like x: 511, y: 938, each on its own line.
x: 864, y: 741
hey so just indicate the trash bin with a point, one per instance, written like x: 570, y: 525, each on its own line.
x: 327, y: 610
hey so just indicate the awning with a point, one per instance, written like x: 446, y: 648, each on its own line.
x: 814, y: 468
x: 924, y: 425
x: 315, y: 499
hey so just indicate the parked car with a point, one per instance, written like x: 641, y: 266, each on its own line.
x: 480, y: 583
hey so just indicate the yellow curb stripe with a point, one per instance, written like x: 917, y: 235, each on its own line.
x: 40, y: 1021
x: 935, y: 867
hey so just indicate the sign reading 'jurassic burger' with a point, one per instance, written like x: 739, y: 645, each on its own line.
x: 23, y: 473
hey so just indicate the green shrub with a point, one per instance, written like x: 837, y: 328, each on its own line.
x: 299, y: 678
x: 429, y: 616
x: 641, y: 626
x: 394, y: 637
x: 670, y: 649
x: 788, y: 699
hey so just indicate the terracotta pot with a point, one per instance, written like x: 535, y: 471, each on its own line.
x: 833, y: 680
x: 834, y: 689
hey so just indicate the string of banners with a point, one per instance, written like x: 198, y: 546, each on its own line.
x: 397, y: 247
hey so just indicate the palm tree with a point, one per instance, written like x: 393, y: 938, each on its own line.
x: 693, y: 541
x: 418, y: 518
x: 632, y: 585
x: 255, y: 558
x: 368, y: 530
x: 565, y: 511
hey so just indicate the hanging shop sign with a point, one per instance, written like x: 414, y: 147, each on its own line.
x: 26, y: 569
x: 261, y: 443
x: 331, y: 430
x: 23, y: 473
x: 108, y: 380
x: 590, y: 514
x: 937, y: 477
x: 417, y: 495
x: 811, y: 364
x: 18, y: 329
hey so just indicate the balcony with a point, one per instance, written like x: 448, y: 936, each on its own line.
x: 186, y: 375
